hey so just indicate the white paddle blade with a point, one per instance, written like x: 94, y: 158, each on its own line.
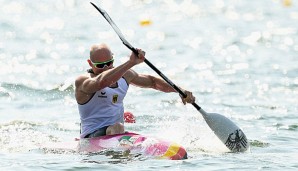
x: 229, y: 133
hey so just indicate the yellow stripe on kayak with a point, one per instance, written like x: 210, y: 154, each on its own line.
x: 172, y: 150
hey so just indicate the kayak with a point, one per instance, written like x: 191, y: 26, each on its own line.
x: 128, y: 143
x: 134, y: 144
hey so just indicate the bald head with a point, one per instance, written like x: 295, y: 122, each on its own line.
x: 100, y: 52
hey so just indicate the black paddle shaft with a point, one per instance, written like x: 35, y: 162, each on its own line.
x: 129, y: 46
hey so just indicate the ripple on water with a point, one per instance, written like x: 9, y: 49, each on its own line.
x: 257, y: 143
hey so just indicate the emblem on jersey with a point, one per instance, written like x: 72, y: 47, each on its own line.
x: 115, y: 98
x: 236, y: 141
x: 102, y: 95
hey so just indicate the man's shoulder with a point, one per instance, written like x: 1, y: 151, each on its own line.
x: 81, y: 78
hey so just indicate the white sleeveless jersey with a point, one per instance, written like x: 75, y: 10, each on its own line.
x: 105, y: 108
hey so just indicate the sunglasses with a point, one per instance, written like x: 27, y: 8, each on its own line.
x: 101, y: 65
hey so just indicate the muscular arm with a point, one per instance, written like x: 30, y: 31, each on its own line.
x: 148, y: 81
x: 90, y: 85
x: 86, y: 86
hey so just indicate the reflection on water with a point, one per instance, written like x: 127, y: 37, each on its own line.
x: 104, y: 156
x: 113, y: 157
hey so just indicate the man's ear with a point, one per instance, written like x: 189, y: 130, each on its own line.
x: 89, y: 62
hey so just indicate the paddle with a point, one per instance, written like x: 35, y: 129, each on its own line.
x: 229, y: 133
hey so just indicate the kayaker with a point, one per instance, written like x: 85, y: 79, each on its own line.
x: 100, y: 92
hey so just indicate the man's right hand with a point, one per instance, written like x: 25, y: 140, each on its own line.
x: 137, y: 59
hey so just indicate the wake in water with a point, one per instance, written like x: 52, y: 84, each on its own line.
x: 194, y: 134
x: 190, y: 132
x: 33, y: 137
x: 21, y: 136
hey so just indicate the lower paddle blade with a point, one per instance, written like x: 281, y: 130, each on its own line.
x: 229, y: 133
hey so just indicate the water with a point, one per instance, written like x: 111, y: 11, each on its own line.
x: 238, y: 57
